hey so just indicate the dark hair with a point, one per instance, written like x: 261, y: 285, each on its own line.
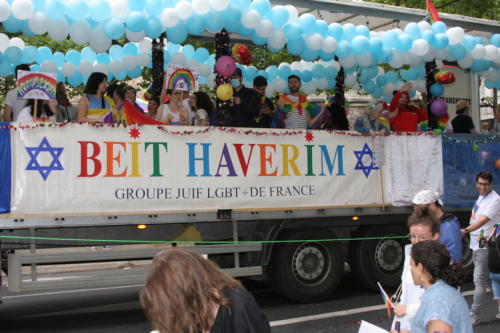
x: 61, y: 92
x: 203, y: 101
x: 238, y: 72
x: 485, y: 175
x: 22, y: 67
x: 155, y: 99
x: 95, y: 79
x: 120, y: 90
x: 260, y: 81
x: 42, y: 109
x: 127, y: 88
x: 111, y: 88
x: 426, y: 217
x: 436, y: 260
x: 293, y: 76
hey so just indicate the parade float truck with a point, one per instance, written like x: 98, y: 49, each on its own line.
x: 292, y: 205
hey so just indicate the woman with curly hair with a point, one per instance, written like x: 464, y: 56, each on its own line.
x: 443, y: 308
x: 185, y: 292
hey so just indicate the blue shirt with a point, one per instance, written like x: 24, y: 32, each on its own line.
x: 451, y: 237
x: 445, y: 303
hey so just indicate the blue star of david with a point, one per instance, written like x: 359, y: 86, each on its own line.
x: 360, y: 166
x: 44, y: 147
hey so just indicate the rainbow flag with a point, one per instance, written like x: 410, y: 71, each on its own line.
x: 132, y: 116
x: 432, y: 13
x: 387, y: 301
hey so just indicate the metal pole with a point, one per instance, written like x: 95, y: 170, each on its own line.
x: 235, y: 240
x: 33, y: 250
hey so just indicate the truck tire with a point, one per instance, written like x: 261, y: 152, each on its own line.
x: 309, y: 271
x: 467, y: 263
x: 378, y: 260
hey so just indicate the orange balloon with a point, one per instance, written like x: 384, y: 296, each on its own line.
x: 497, y: 163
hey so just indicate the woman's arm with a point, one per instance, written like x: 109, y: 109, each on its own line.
x: 83, y: 107
x: 311, y: 121
x: 435, y: 326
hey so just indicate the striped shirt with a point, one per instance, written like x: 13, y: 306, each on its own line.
x: 293, y: 118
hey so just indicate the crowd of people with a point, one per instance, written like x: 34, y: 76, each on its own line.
x: 248, y: 108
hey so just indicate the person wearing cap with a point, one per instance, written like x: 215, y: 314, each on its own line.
x: 369, y: 122
x: 245, y: 106
x: 449, y: 227
x: 462, y: 123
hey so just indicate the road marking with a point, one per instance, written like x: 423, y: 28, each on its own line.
x: 73, y: 291
x: 342, y: 313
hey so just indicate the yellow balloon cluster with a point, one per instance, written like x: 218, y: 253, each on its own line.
x: 224, y: 92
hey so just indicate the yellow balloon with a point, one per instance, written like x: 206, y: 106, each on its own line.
x: 224, y: 92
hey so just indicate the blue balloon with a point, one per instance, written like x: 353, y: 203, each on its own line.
x: 440, y: 41
x: 437, y: 89
x: 243, y: 5
x: 136, y: 5
x: 348, y: 31
x: 390, y: 39
x: 6, y: 68
x: 100, y: 11
x: 59, y: 58
x: 386, y: 55
x: 272, y: 72
x: 188, y: 51
x: 326, y: 56
x: 378, y: 92
x: 331, y: 72
x: 362, y: 30
x: 77, y: 10
x: 55, y: 9
x: 75, y: 79
x: 60, y: 76
x: 201, y: 54
x: 257, y: 40
x: 488, y: 84
x: 73, y: 57
x: 195, y: 24
x: 38, y: 5
x: 246, y: 32
x: 306, y: 75
x: 166, y: 59
x: 202, y: 79
x: 439, y: 27
x: 343, y: 49
x: 103, y: 58
x: 296, y: 46
x: 278, y: 16
x: 154, y: 7
x: 261, y: 6
x: 307, y: 23
x: 429, y: 37
x: 121, y: 75
x: 26, y: 31
x: 469, y: 43
x: 114, y: 28
x: 392, y: 77
x: 495, y: 40
x: 310, y: 55
x: 177, y: 34
x: 381, y: 80
x: 213, y: 20
x: 12, y: 24
x: 44, y: 54
x: 135, y: 73
x: 13, y: 54
x: 335, y: 30
x: 232, y: 19
x: 130, y: 49
x: 375, y: 45
x: 88, y: 54
x: 292, y: 31
x: 29, y: 54
x: 251, y: 73
x: 318, y: 71
x: 360, y: 44
x: 350, y: 70
x: 479, y: 65
x: 457, y: 51
x: 263, y: 73
x: 296, y: 72
x: 172, y: 47
x: 369, y: 87
x: 284, y: 71
x: 321, y: 27
x: 135, y: 21
x: 116, y: 52
x: 35, y: 68
x: 331, y: 84
x: 404, y: 43
x: 153, y: 28
x: 413, y: 30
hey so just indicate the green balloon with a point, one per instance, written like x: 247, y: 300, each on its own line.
x: 475, y: 147
x: 438, y: 131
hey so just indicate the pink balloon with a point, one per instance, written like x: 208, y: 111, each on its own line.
x: 225, y: 66
x: 439, y: 108
x: 484, y: 154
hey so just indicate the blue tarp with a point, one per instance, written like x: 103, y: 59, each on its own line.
x: 5, y: 168
x: 464, y: 155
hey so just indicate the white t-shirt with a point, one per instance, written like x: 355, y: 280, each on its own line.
x: 17, y: 104
x: 486, y: 205
x: 25, y: 116
x: 201, y: 114
x: 164, y: 111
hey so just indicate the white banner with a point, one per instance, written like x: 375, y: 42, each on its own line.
x: 86, y: 169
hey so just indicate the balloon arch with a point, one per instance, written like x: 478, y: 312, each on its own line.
x: 324, y: 48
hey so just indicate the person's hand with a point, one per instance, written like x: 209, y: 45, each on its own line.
x: 400, y: 310
x: 280, y: 104
x: 373, y: 133
x: 406, y: 87
x: 169, y: 119
x: 382, y: 131
x: 463, y: 232
x: 237, y: 100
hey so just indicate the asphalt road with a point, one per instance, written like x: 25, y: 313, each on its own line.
x: 118, y: 310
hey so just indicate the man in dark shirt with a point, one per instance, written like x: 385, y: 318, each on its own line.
x: 244, y: 109
x: 265, y: 114
x: 462, y: 123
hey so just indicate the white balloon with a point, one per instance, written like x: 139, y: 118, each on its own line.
x: 115, y: 67
x: 211, y: 82
x: 38, y: 23
x: 277, y: 40
x: 219, y: 5
x: 85, y: 68
x: 314, y: 41
x: 364, y: 60
x: 322, y: 83
x: 388, y: 89
x: 350, y: 81
x: 99, y: 42
x: 102, y: 68
x: 16, y: 41
x: 381, y: 71
x: 144, y: 59
x: 178, y: 58
x: 336, y: 65
x: 250, y: 19
x: 205, y: 70
x: 48, y: 67
x: 80, y: 31
x: 264, y: 29
x: 424, y: 26
x: 193, y: 65
x: 119, y: 9
x: 329, y: 44
x: 169, y: 17
x: 306, y: 65
x: 22, y: 9
x: 465, y: 62
x: 296, y: 65
x: 420, y: 85
x: 68, y: 69
x: 429, y: 56
x: 441, y: 54
x: 477, y: 52
x: 135, y: 36
x: 130, y: 62
x: 492, y: 75
x: 293, y: 15
x: 184, y: 9
x: 4, y: 10
x: 279, y: 84
x: 58, y: 29
x: 4, y: 42
x: 455, y: 35
x: 490, y: 52
x: 145, y: 45
x: 420, y: 47
x: 348, y: 62
x: 201, y: 7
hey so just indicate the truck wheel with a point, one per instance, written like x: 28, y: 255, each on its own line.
x: 378, y: 260
x: 306, y: 271
x: 467, y: 263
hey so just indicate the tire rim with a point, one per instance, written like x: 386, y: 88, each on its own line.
x: 389, y: 255
x: 310, y: 263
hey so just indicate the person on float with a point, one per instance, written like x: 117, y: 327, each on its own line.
x: 65, y: 111
x: 174, y: 113
x: 13, y: 105
x: 423, y: 225
x: 38, y: 111
x: 442, y: 308
x: 131, y: 96
x: 463, y: 123
x: 369, y: 122
x: 245, y: 106
x: 203, y: 106
x: 404, y: 116
x: 265, y: 114
x: 153, y: 105
x: 94, y: 107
